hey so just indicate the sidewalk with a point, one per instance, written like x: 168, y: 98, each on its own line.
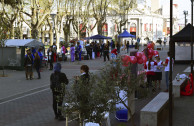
x: 16, y: 85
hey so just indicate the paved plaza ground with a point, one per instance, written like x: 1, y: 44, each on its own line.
x: 29, y: 102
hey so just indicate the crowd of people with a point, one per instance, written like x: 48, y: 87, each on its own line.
x: 154, y: 71
x: 32, y: 60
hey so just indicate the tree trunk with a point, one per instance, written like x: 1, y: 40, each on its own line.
x: 66, y: 30
x: 11, y: 31
x: 21, y: 34
x: 34, y: 33
x: 131, y: 115
x: 57, y: 40
x: 51, y: 36
x: 99, y: 28
x: 43, y: 36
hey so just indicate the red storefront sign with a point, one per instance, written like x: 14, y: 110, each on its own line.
x: 81, y: 26
x: 132, y: 29
x: 105, y: 28
x: 168, y: 30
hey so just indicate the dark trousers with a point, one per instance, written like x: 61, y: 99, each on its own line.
x: 29, y: 71
x: 80, y: 56
x: 57, y: 104
x: 51, y: 65
x: 106, y: 54
x: 101, y: 53
x: 38, y: 71
x: 63, y: 57
x: 90, y: 54
x: 149, y: 80
x: 127, y: 49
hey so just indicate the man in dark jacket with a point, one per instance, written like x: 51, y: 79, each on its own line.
x: 106, y: 52
x: 28, y: 61
x: 102, y: 49
x: 58, y: 81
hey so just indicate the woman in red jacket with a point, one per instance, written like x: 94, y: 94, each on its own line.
x: 149, y: 66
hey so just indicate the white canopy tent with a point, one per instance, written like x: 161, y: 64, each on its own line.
x: 23, y: 42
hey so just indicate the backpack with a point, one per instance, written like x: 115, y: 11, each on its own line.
x: 66, y: 51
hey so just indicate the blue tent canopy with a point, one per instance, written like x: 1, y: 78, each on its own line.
x: 126, y: 34
x: 98, y: 37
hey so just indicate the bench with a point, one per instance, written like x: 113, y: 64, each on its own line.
x: 176, y: 85
x: 155, y: 111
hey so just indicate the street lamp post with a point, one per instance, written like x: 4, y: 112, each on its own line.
x: 185, y: 13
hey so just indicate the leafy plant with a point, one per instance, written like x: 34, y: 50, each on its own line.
x: 101, y: 94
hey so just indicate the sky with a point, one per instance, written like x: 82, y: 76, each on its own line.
x: 182, y: 5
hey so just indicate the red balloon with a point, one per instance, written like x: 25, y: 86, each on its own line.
x: 150, y: 51
x: 139, y: 60
x: 149, y: 46
x: 133, y: 59
x: 144, y: 58
x: 138, y: 54
x: 155, y: 52
x: 150, y: 56
x: 125, y: 60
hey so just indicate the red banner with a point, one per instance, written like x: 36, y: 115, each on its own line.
x: 81, y: 26
x: 132, y: 29
x: 105, y: 28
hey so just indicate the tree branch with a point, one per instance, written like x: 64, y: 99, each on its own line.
x: 25, y: 21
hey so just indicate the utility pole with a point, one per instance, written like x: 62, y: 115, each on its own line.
x: 185, y: 13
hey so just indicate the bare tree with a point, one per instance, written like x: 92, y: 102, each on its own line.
x: 119, y: 10
x: 10, y: 14
x: 40, y: 10
x: 100, y: 9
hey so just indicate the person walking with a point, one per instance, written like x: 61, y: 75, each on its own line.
x: 127, y: 46
x: 149, y: 66
x: 88, y: 49
x: 63, y: 50
x: 50, y: 57
x: 72, y: 49
x: 158, y: 71
x: 91, y: 50
x: 55, y: 52
x: 58, y: 80
x: 102, y: 49
x: 167, y: 70
x: 28, y: 62
x: 40, y: 55
x: 37, y: 64
x: 79, y: 50
x: 106, y: 52
x: 165, y: 41
x: 118, y: 47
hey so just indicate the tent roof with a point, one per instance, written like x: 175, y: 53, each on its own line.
x: 98, y: 37
x: 23, y: 42
x: 126, y: 34
x: 184, y: 35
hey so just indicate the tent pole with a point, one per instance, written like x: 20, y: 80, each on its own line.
x: 170, y: 77
x: 192, y: 37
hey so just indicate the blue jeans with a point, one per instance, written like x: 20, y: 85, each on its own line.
x: 167, y: 79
